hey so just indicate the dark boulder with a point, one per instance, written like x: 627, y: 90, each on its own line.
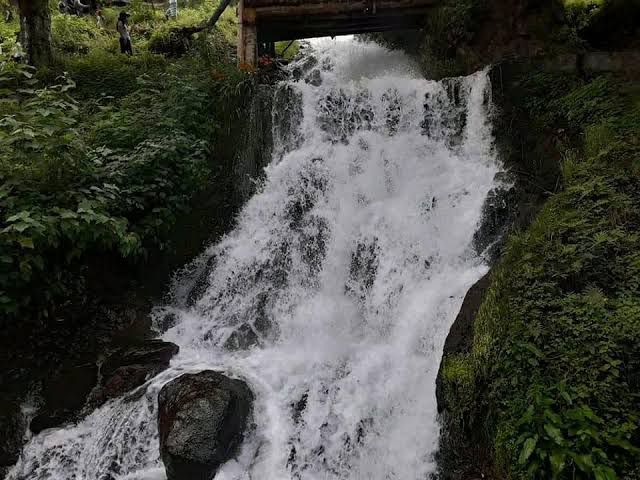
x: 64, y: 395
x: 314, y: 78
x: 462, y: 452
x: 76, y: 391
x: 460, y: 337
x: 202, y: 418
x: 12, y: 428
x: 149, y: 352
x: 131, y: 366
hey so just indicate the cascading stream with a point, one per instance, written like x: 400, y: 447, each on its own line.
x: 334, y: 294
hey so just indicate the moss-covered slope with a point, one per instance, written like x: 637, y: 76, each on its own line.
x: 552, y: 382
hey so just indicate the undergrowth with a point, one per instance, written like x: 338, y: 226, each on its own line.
x: 101, y: 153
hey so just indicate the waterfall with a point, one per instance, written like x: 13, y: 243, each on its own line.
x: 334, y: 294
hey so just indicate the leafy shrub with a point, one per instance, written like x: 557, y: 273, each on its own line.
x: 170, y: 37
x: 76, y: 181
x: 581, y: 13
x: 46, y: 201
x: 142, y: 12
x: 552, y: 442
x: 73, y: 34
x: 39, y: 137
x: 101, y: 73
x: 8, y: 30
x: 170, y: 42
x: 450, y: 25
x: 34, y: 272
x: 155, y: 181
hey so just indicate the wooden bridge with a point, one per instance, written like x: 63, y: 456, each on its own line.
x: 264, y: 21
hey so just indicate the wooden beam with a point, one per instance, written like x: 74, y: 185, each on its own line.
x: 247, y: 36
x: 276, y: 33
x: 280, y: 9
x: 296, y: 27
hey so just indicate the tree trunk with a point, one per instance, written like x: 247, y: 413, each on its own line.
x: 35, y: 31
x: 218, y: 13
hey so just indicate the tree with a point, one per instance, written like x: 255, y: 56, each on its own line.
x: 35, y: 30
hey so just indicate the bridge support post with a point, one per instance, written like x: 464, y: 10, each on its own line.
x: 247, y: 36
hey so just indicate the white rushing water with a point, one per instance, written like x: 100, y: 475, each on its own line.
x: 347, y: 268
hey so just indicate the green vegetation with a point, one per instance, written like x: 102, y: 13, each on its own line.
x: 555, y: 360
x: 100, y: 153
x: 465, y: 35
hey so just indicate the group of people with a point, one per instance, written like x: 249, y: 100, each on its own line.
x: 73, y: 7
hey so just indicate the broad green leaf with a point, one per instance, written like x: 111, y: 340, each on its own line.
x: 583, y: 462
x: 19, y: 216
x: 624, y: 444
x: 602, y: 472
x: 527, y: 449
x: 558, y: 461
x: 554, y: 433
x: 26, y: 242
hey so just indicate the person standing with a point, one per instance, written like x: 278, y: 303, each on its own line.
x: 172, y: 11
x: 99, y: 19
x: 123, y: 30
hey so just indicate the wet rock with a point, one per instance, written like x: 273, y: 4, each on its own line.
x: 166, y: 321
x: 299, y: 407
x: 263, y: 325
x: 242, y: 338
x: 201, y: 282
x: 130, y: 367
x: 252, y: 151
x: 149, y: 352
x: 202, y: 418
x: 64, y: 395
x: 50, y: 419
x: 498, y: 213
x: 287, y: 118
x: 460, y: 337
x: 461, y: 452
x: 125, y: 379
x: 302, y: 68
x: 12, y: 428
x: 626, y: 62
x: 314, y: 78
